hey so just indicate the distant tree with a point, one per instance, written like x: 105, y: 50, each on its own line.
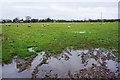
x: 48, y: 20
x: 28, y: 18
x: 17, y: 19
x: 3, y: 21
x: 21, y: 21
x: 42, y: 20
x: 34, y: 20
x: 9, y: 21
x: 14, y: 20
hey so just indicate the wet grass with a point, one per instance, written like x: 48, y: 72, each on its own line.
x: 56, y: 37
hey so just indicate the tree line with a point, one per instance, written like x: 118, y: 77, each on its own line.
x: 53, y: 20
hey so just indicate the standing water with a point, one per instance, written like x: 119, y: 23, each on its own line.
x: 91, y: 63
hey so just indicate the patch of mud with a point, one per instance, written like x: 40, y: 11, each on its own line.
x: 93, y: 72
x: 91, y: 63
x: 23, y: 65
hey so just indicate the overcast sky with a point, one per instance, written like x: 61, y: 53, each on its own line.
x: 62, y: 9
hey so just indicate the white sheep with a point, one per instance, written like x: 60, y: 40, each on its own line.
x: 69, y: 27
x: 29, y: 25
x: 91, y: 23
x: 47, y: 24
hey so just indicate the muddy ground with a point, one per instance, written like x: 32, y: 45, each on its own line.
x: 90, y: 63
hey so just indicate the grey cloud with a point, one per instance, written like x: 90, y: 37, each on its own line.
x: 60, y: 10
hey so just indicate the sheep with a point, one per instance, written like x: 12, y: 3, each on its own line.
x: 29, y: 25
x: 47, y: 24
x: 91, y: 23
x: 69, y: 27
x: 43, y: 25
x: 8, y: 25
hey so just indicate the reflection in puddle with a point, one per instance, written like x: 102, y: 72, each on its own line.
x: 11, y: 70
x: 69, y: 64
x: 37, y: 60
x: 111, y: 65
x: 78, y: 60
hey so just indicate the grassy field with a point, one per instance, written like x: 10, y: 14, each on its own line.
x: 56, y: 37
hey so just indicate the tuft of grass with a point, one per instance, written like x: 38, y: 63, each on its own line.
x: 38, y: 50
x: 44, y: 59
x: 19, y: 64
x: 26, y: 58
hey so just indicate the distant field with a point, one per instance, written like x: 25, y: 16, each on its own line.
x: 56, y: 37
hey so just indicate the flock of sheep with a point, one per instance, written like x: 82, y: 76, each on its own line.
x: 45, y: 25
x: 8, y: 24
x: 42, y: 25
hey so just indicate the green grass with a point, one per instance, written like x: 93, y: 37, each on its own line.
x: 56, y: 37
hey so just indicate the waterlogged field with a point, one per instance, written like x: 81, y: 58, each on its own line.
x: 56, y: 37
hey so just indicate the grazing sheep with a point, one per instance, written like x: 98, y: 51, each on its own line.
x: 100, y: 23
x: 43, y: 25
x: 29, y: 25
x: 8, y: 25
x: 69, y: 27
x: 47, y: 24
x: 91, y: 23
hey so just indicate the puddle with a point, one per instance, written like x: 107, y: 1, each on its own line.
x: 37, y: 60
x: 72, y: 62
x: 31, y: 49
x: 69, y: 64
x: 79, y: 32
x: 11, y: 70
x: 111, y: 65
